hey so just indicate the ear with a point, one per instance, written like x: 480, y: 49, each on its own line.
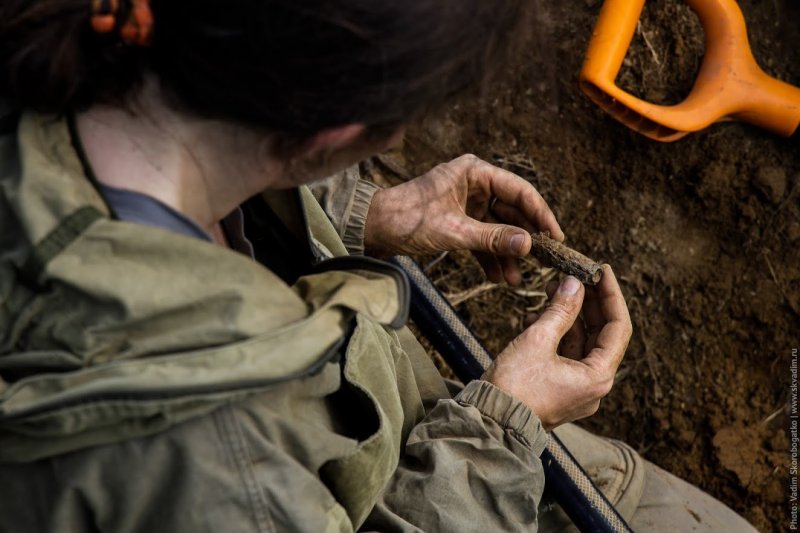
x: 334, y: 138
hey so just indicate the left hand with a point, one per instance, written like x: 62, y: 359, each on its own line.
x: 563, y: 364
x: 458, y: 206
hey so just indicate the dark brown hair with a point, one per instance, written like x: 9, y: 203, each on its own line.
x: 293, y: 66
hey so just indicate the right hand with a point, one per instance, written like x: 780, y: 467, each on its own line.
x: 560, y: 388
x: 458, y: 206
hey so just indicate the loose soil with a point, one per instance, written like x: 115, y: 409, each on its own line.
x: 704, y: 235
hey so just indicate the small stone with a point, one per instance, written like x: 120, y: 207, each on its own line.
x: 771, y: 181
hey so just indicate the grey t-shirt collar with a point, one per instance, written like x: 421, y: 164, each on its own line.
x: 132, y: 206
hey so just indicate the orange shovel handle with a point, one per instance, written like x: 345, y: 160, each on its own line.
x: 730, y: 85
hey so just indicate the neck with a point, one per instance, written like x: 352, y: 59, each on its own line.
x: 203, y: 169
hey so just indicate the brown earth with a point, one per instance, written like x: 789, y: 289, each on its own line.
x: 703, y: 233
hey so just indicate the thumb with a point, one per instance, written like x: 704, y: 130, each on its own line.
x: 562, y: 311
x: 496, y: 239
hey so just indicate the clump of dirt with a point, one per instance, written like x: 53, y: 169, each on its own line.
x: 704, y: 235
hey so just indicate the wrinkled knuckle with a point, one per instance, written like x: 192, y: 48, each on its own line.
x: 487, y: 241
x: 530, y: 197
x: 593, y: 408
x: 468, y: 159
x: 496, y: 240
x: 603, y: 387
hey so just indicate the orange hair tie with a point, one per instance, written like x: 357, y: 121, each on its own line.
x: 104, y: 15
x: 137, y: 29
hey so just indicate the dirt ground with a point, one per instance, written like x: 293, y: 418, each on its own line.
x: 704, y: 235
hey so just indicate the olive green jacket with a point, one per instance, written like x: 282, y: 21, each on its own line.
x: 113, y: 335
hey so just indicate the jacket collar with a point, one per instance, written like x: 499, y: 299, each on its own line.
x: 133, y: 290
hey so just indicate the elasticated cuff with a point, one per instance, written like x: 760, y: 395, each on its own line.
x: 353, y: 236
x: 513, y: 415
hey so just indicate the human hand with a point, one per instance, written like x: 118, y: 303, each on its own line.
x: 457, y: 206
x: 563, y: 365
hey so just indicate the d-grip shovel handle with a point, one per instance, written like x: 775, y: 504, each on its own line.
x: 729, y: 86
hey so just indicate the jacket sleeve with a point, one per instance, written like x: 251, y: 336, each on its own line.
x: 471, y: 465
x: 346, y: 198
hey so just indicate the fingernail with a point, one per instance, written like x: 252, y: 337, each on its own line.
x: 517, y: 242
x: 569, y: 286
